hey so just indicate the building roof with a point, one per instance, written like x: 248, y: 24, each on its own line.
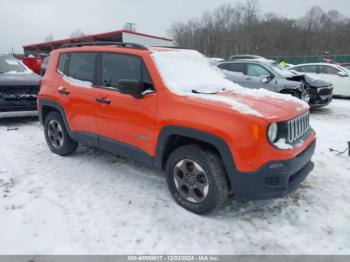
x: 109, y: 36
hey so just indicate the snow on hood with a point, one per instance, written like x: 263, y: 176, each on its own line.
x: 185, y: 71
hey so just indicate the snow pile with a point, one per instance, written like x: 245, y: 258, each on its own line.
x: 185, y: 71
x: 95, y: 203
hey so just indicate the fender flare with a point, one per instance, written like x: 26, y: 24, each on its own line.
x: 217, y: 142
x: 55, y: 105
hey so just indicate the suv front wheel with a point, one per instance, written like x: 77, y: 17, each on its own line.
x: 57, y: 136
x: 197, y: 179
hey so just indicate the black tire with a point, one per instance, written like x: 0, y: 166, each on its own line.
x: 215, y: 174
x: 67, y: 145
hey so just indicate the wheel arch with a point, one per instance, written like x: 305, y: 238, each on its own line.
x: 171, y: 137
x: 290, y: 91
x: 46, y: 106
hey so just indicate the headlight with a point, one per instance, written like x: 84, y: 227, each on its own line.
x: 272, y: 132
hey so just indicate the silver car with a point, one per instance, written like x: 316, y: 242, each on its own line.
x: 267, y: 74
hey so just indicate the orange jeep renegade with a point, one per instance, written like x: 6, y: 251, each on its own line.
x: 170, y: 109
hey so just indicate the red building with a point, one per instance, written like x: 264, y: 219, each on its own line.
x: 34, y: 53
x: 117, y: 36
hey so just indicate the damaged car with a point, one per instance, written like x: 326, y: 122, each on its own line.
x: 267, y: 74
x: 19, y: 88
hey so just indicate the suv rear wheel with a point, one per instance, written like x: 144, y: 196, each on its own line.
x: 57, y: 136
x: 197, y: 179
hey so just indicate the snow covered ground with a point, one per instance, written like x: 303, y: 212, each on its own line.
x: 96, y: 203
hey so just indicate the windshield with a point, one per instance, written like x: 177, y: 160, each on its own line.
x: 279, y: 70
x: 346, y: 69
x: 9, y: 64
x: 189, y: 71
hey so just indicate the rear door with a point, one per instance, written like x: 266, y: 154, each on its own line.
x: 75, y: 90
x: 125, y: 124
x: 235, y: 72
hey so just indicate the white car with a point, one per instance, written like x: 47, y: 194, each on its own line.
x: 335, y: 74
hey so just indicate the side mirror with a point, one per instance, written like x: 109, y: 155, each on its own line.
x: 266, y: 79
x: 130, y: 87
x: 341, y: 73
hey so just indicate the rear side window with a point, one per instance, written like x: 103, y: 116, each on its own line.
x: 239, y: 68
x: 307, y: 69
x: 224, y: 66
x: 118, y: 66
x: 61, y: 63
x: 82, y: 66
x: 234, y: 67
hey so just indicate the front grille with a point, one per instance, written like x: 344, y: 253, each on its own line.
x: 18, y: 93
x: 298, y: 127
x: 325, y: 92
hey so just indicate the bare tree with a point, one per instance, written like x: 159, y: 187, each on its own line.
x: 242, y: 28
x: 49, y: 38
x: 76, y: 33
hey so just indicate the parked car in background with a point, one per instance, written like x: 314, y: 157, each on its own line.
x: 43, y: 66
x: 215, y: 60
x: 19, y: 88
x: 346, y: 65
x: 242, y: 57
x: 337, y: 75
x: 267, y: 74
x: 172, y: 110
x: 33, y: 63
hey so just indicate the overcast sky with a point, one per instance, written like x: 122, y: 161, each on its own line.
x: 30, y: 21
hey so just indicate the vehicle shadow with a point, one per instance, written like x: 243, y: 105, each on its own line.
x: 17, y: 121
x: 241, y: 210
x: 321, y: 111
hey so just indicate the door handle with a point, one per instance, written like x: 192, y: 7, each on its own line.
x: 249, y: 78
x: 105, y: 101
x: 63, y: 91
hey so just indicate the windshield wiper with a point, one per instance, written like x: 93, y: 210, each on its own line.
x: 194, y: 91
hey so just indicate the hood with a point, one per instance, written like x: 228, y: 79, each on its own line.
x: 259, y: 102
x: 19, y: 79
x: 310, y: 81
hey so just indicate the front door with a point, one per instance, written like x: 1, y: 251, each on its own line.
x: 125, y: 124
x: 341, y: 84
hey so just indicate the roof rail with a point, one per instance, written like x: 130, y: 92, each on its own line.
x: 102, y: 43
x: 171, y: 47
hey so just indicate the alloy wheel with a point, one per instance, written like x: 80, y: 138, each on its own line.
x: 191, y: 181
x: 55, y: 133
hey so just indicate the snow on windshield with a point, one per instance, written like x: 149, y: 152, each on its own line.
x: 185, y: 70
x: 11, y: 65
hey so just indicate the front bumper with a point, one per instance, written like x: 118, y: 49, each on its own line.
x: 275, y: 179
x: 18, y: 114
x: 322, y: 97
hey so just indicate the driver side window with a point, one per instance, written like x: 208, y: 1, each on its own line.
x: 328, y: 70
x: 257, y: 70
x: 117, y: 67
